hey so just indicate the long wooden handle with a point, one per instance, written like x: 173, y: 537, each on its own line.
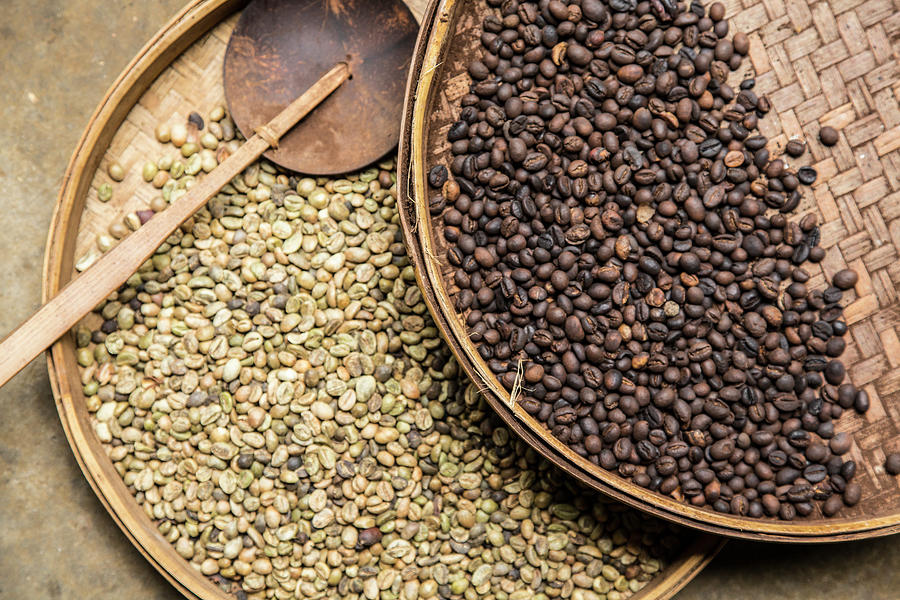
x: 83, y: 294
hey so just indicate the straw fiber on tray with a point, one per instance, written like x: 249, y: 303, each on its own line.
x: 834, y: 63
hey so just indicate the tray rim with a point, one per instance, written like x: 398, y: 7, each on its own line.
x: 189, y: 24
x: 193, y: 21
x: 436, y: 21
x: 416, y: 220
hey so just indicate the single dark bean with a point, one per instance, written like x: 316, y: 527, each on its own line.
x: 795, y: 148
x: 832, y: 505
x: 828, y: 136
x: 840, y: 443
x: 892, y: 463
x: 741, y: 43
x: 806, y: 175
x: 437, y: 176
x: 196, y: 120
x: 845, y: 279
x: 852, y: 494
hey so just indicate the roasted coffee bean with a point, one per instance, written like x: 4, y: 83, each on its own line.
x: 815, y: 473
x: 787, y: 512
x: 840, y: 443
x: 607, y: 208
x: 817, y: 453
x: 852, y: 494
x: 458, y: 131
x: 848, y: 470
x: 845, y: 279
x: 800, y: 493
x: 795, y: 148
x: 437, y: 176
x: 832, y: 505
x: 834, y: 372
x: 828, y: 136
x: 806, y: 175
x: 786, y: 475
x: 770, y: 504
x: 892, y: 463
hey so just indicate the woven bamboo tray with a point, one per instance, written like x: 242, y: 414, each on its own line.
x: 178, y: 71
x: 831, y: 62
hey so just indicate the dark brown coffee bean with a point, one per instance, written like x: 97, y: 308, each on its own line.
x: 741, y: 43
x: 722, y: 449
x: 196, y: 120
x: 594, y: 10
x: 484, y: 257
x: 787, y: 511
x: 770, y: 504
x: 458, y: 131
x: 795, y: 148
x: 845, y: 279
x: 437, y: 176
x: 630, y: 73
x: 832, y: 505
x: 815, y: 473
x: 724, y: 50
x: 579, y: 55
x: 828, y: 136
x: 369, y: 537
x: 535, y: 161
x: 852, y: 494
x: 835, y: 372
x: 817, y: 453
x: 806, y: 175
x: 892, y: 463
x: 478, y: 70
x: 786, y: 475
x: 840, y: 443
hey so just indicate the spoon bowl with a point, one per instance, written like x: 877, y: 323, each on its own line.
x: 280, y: 47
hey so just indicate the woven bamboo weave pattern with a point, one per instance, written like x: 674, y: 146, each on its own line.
x: 192, y: 83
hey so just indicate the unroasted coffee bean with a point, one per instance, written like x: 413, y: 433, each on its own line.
x: 619, y: 245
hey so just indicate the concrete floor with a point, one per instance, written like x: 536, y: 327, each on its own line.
x: 56, y: 541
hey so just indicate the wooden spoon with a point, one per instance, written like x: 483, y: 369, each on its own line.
x: 253, y: 51
x: 279, y: 47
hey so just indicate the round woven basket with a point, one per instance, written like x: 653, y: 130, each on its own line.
x: 178, y: 71
x: 822, y: 63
